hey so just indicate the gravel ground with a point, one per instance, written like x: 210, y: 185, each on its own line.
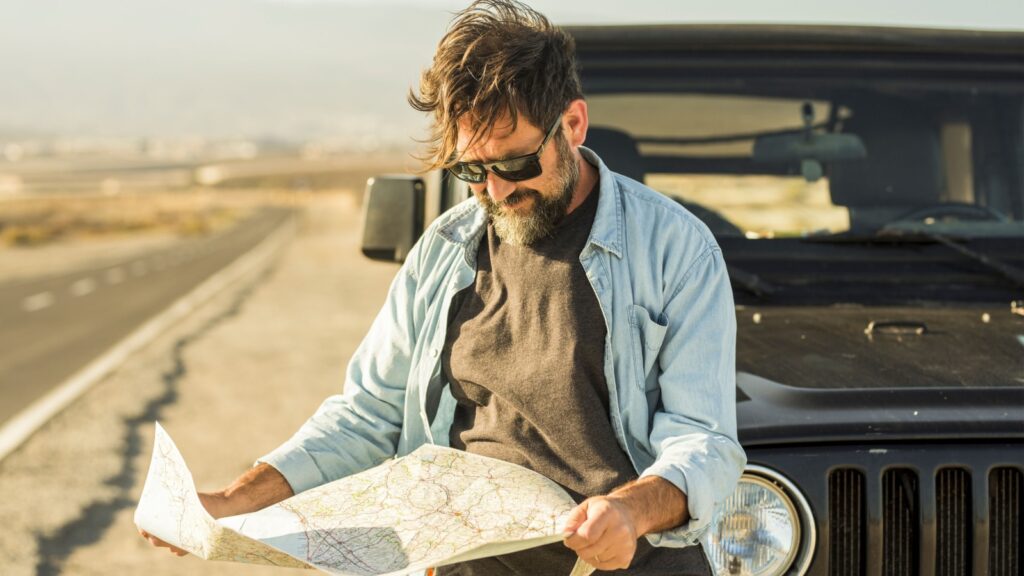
x: 229, y: 384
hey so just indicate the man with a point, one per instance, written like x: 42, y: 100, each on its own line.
x: 567, y: 319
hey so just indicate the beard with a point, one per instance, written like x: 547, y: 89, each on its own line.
x: 547, y: 211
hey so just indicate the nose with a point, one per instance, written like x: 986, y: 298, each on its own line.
x: 498, y: 188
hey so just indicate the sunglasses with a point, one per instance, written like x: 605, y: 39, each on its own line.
x: 511, y: 169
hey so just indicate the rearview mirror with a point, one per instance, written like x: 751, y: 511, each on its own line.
x: 807, y: 147
x: 800, y: 147
x: 392, y: 216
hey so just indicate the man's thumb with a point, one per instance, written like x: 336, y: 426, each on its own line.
x: 577, y: 516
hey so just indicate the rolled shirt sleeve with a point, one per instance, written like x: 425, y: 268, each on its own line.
x: 694, y: 432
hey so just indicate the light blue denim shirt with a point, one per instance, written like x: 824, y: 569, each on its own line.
x: 669, y: 353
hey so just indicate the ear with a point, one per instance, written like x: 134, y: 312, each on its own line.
x: 575, y: 122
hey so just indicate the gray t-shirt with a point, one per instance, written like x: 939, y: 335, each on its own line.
x: 525, y: 358
x: 524, y: 354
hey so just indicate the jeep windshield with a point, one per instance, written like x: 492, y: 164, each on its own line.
x: 848, y: 176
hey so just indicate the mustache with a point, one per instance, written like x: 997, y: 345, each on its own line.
x: 514, y: 198
x: 518, y: 196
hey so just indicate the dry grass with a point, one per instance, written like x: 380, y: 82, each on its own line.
x: 48, y: 212
x: 37, y: 221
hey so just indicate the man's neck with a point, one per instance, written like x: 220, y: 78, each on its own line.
x: 585, y: 184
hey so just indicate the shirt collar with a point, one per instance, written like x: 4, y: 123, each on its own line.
x: 607, y: 230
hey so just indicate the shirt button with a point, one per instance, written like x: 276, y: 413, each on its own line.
x: 433, y: 352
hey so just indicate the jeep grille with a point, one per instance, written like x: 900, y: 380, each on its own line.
x: 973, y: 527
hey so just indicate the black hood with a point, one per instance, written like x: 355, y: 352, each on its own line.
x: 831, y: 347
x: 843, y: 373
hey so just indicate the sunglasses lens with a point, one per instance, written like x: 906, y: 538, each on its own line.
x: 474, y: 173
x: 518, y: 169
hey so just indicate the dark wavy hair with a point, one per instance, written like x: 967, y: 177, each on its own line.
x: 498, y: 57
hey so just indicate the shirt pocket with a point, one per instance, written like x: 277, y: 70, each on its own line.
x: 648, y: 335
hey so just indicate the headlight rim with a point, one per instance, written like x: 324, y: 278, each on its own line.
x: 808, y: 528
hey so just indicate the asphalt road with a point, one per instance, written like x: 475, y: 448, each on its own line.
x: 51, y: 327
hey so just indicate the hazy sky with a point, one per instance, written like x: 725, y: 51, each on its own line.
x: 307, y: 68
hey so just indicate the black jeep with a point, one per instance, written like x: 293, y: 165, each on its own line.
x: 866, y: 186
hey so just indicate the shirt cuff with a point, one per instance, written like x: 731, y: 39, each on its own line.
x: 686, y: 534
x: 296, y: 465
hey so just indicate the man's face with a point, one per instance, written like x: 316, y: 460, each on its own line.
x: 525, y: 211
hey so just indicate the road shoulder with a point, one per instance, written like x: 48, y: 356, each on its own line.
x: 230, y: 382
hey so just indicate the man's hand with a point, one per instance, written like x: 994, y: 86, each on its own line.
x: 259, y: 487
x: 603, y: 533
x: 214, y: 503
x: 161, y: 544
x: 603, y: 530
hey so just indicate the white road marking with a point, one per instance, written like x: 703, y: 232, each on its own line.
x: 139, y: 268
x: 115, y: 276
x: 83, y: 287
x: 37, y: 302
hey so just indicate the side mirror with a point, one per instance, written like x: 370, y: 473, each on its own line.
x: 392, y: 216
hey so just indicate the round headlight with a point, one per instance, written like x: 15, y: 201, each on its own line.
x: 757, y: 530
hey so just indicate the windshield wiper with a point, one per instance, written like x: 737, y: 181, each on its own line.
x: 1015, y: 275
x: 1012, y: 273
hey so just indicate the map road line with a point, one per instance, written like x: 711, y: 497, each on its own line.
x: 21, y: 427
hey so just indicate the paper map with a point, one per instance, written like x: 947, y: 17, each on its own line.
x: 433, y: 507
